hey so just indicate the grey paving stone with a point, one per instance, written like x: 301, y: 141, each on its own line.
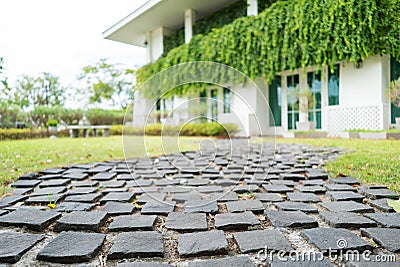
x: 166, y: 182
x: 388, y: 220
x: 245, y: 188
x: 224, y: 196
x: 137, y: 244
x: 277, y: 188
x: 118, y: 196
x: 236, y: 221
x: 345, y: 180
x: 77, y: 176
x: 283, y: 182
x: 49, y: 191
x: 202, y: 206
x: 293, y: 206
x: 55, y: 183
x: 81, y: 191
x: 340, y: 187
x: 44, y: 200
x: 292, y: 176
x: 310, y: 189
x: 113, y: 184
x: 349, y: 206
x: 335, y: 239
x: 300, y: 262
x: 127, y: 177
x: 208, y: 243
x: 292, y: 219
x: 158, y: 208
x: 98, y: 169
x: 225, y: 182
x: 52, y: 171
x: 11, y: 200
x: 198, y: 182
x: 84, y: 184
x: 180, y: 221
x: 303, y: 197
x: 133, y: 223
x: 34, y: 220
x: 345, y: 196
x: 254, y: 241
x: 49, y: 177
x: 86, y: 198
x: 245, y: 205
x: 104, y: 176
x: 209, y: 189
x: 74, y: 206
x: 81, y: 221
x: 25, y: 183
x: 388, y: 238
x: 3, y: 212
x: 143, y: 264
x: 268, y: 197
x: 236, y: 261
x: 118, y: 208
x: 13, y: 245
x: 139, y: 183
x: 349, y: 220
x: 29, y: 176
x: 21, y: 191
x: 182, y: 197
x: 313, y: 182
x: 72, y: 247
x: 146, y: 197
x: 311, y: 175
x: 379, y: 193
x: 381, y: 204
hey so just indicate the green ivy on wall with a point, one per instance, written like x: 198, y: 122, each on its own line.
x: 293, y: 34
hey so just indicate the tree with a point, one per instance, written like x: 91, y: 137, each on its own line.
x: 108, y: 82
x: 43, y: 90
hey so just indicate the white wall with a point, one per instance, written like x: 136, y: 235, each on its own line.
x: 141, y: 109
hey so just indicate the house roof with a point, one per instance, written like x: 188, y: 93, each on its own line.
x: 159, y: 13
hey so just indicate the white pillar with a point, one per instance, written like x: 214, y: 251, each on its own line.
x: 157, y: 43
x: 148, y: 47
x: 189, y: 22
x: 252, y: 8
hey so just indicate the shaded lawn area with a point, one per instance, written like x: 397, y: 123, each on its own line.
x: 23, y: 156
x: 371, y: 161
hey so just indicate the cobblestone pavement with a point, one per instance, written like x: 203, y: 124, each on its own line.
x: 247, y: 206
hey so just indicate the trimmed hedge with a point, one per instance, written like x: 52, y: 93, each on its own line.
x: 15, y: 134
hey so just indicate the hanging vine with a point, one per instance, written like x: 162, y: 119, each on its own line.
x: 290, y: 35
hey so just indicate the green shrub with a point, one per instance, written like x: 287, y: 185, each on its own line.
x: 52, y: 123
x: 15, y: 134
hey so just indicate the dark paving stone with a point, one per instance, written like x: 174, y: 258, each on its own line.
x: 11, y: 200
x: 345, y: 180
x: 21, y: 191
x: 77, y: 176
x: 208, y: 243
x: 292, y: 261
x: 118, y: 196
x: 98, y: 169
x: 224, y: 196
x: 50, y: 177
x: 34, y: 220
x: 3, y: 212
x: 158, y: 208
x: 349, y: 220
x: 388, y: 238
x: 237, y: 261
x: 245, y: 188
x: 143, y: 264
x: 268, y: 197
x: 209, y: 189
x: 291, y: 219
x: 296, y: 206
x: 81, y: 191
x: 29, y: 176
x: 283, y: 182
x: 225, y: 182
x: 118, y: 208
x: 340, y: 187
x: 137, y: 244
x: 52, y: 171
x: 310, y: 189
x: 381, y: 204
x: 182, y: 197
x: 303, y: 197
x: 254, y: 241
x: 84, y: 184
x: 133, y: 223
x: 45, y: 199
x: 292, y: 176
x: 379, y: 193
x: 13, y: 245
x: 236, y: 221
x: 72, y: 247
x: 311, y: 175
x: 144, y: 198
x: 345, y: 196
x: 55, y: 183
x: 277, y: 188
x: 74, y: 206
x: 245, y: 205
x: 86, y: 198
x: 127, y: 177
x: 81, y: 221
x: 313, y: 182
x: 335, y: 238
x: 139, y: 183
x: 202, y: 206
x: 113, y: 184
x: 25, y: 183
x: 49, y: 191
x: 104, y: 176
x: 388, y: 220
x: 180, y: 221
x: 349, y: 206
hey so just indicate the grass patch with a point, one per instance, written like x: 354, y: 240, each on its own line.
x: 23, y: 156
x: 371, y: 161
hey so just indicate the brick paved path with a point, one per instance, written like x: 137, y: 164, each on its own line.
x: 218, y: 208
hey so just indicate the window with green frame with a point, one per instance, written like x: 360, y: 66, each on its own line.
x: 394, y: 75
x: 293, y: 83
x: 333, y: 85
x: 227, y: 100
x: 275, y: 102
x: 314, y: 83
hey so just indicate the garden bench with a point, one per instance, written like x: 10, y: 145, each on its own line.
x: 74, y: 130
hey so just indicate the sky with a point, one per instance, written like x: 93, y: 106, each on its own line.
x: 62, y: 36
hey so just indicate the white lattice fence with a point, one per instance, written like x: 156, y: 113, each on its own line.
x: 346, y: 118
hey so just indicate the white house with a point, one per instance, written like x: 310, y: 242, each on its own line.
x: 352, y: 96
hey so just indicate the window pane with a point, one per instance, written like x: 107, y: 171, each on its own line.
x: 227, y: 100
x: 333, y: 86
x: 293, y: 84
x: 314, y: 108
x: 275, y: 102
x: 394, y: 75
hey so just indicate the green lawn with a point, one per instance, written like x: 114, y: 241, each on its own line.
x: 372, y: 161
x: 23, y: 156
